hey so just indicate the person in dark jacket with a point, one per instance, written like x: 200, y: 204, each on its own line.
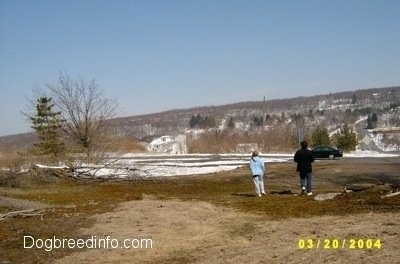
x: 304, y: 157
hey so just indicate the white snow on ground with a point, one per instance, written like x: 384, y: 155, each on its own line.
x: 369, y: 153
x: 150, y: 165
x: 159, y: 165
x: 53, y: 167
x: 378, y: 140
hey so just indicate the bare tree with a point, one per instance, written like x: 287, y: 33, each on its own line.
x: 85, y: 109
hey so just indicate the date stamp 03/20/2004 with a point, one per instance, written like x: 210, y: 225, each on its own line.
x: 335, y: 243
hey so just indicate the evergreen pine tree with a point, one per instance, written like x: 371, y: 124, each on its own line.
x: 231, y: 123
x: 192, y: 122
x: 354, y: 99
x: 47, y: 124
x: 374, y: 120
x: 346, y: 139
x: 320, y: 137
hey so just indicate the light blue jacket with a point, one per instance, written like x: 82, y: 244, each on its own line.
x: 257, y: 166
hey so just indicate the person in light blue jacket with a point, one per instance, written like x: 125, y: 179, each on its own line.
x: 257, y: 168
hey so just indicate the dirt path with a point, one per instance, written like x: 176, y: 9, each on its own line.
x: 199, y: 232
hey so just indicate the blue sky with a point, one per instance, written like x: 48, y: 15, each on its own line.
x: 156, y: 55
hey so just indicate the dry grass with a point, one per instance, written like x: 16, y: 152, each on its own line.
x: 11, y: 160
x: 126, y: 145
x: 74, y: 202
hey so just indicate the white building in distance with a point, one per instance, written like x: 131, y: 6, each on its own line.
x: 169, y: 144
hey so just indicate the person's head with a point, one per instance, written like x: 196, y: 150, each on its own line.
x: 304, y: 144
x: 255, y: 153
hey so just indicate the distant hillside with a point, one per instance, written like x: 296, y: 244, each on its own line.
x: 176, y: 121
x: 18, y: 141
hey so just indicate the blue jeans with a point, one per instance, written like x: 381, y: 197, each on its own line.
x: 306, y: 181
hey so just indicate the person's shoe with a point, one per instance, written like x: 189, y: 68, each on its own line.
x: 309, y: 194
x: 303, y: 190
x: 264, y: 193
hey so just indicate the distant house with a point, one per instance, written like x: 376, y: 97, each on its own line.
x: 169, y: 144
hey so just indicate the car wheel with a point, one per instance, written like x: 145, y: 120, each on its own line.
x: 331, y: 156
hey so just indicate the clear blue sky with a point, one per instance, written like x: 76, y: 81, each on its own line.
x: 156, y: 55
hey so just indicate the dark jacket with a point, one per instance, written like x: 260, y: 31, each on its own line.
x: 304, y: 158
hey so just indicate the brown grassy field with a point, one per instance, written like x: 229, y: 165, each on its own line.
x: 207, y: 219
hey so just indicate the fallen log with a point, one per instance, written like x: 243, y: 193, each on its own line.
x: 354, y: 188
x: 58, y: 171
x: 325, y: 196
x: 23, y: 213
x: 390, y: 195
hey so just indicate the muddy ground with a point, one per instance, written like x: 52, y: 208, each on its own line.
x: 168, y: 228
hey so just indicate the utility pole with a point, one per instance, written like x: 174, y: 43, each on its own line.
x: 264, y: 107
x: 263, y: 126
x: 300, y: 129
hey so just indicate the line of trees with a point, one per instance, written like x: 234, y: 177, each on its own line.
x: 201, y: 121
x: 281, y: 137
x: 345, y: 139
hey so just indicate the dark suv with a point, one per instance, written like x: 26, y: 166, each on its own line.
x: 326, y: 152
